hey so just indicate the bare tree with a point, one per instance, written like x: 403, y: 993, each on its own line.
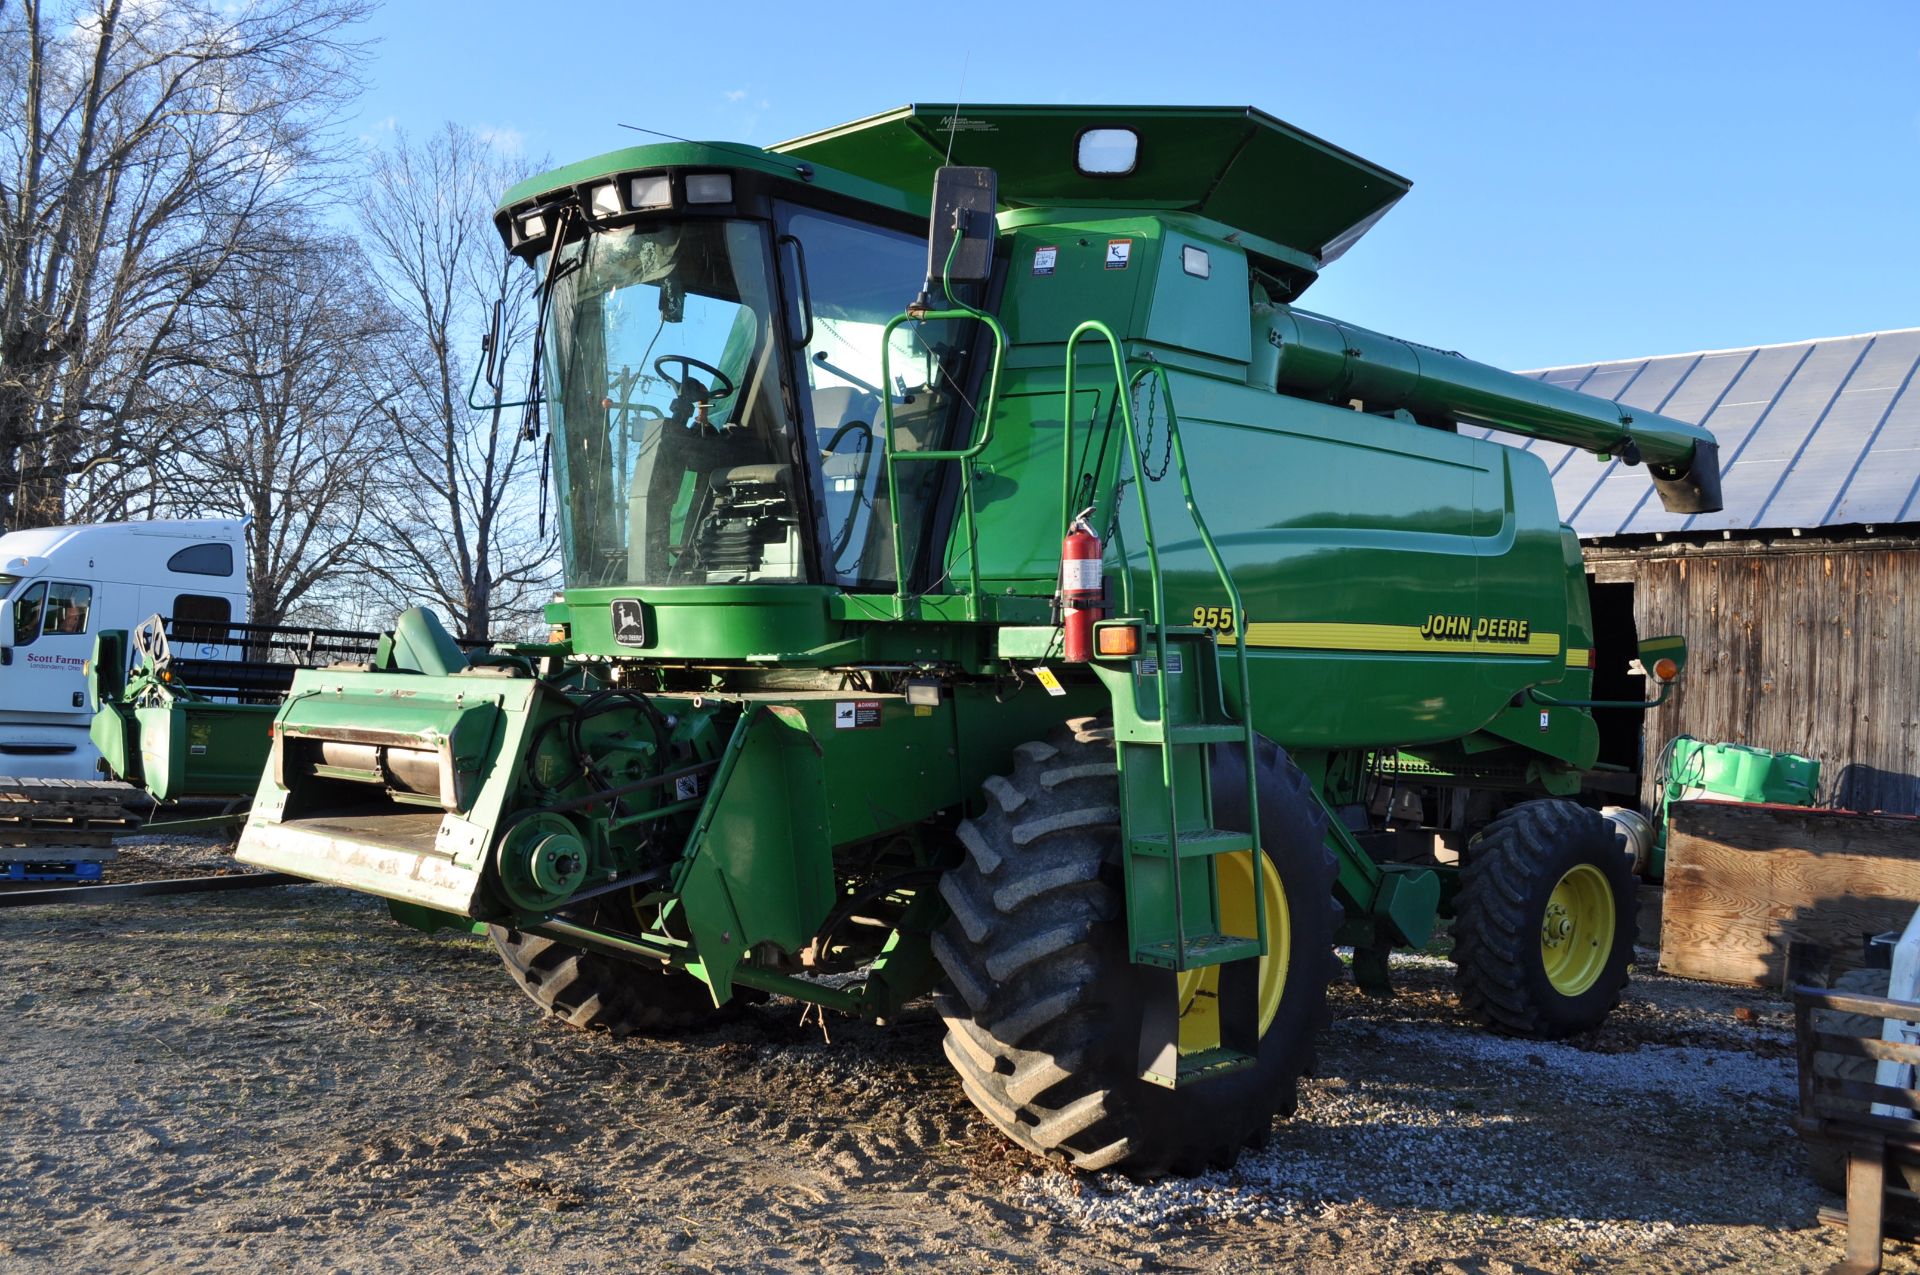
x: 295, y: 377
x: 142, y: 146
x: 462, y: 529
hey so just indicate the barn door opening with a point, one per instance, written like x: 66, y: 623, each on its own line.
x: 1615, y: 641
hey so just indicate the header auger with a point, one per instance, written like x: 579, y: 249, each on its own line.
x: 808, y: 708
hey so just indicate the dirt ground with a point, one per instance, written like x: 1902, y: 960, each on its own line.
x: 286, y: 1079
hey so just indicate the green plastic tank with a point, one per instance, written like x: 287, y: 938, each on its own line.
x: 1692, y: 769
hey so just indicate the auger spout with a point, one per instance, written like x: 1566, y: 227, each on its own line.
x: 1338, y: 362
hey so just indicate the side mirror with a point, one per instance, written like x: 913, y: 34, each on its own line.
x: 800, y: 331
x: 6, y: 630
x: 964, y: 200
x: 490, y: 347
x: 1661, y: 658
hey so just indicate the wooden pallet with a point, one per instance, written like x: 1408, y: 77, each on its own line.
x: 1841, y: 1111
x: 46, y: 814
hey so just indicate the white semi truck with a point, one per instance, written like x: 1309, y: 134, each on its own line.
x: 60, y: 586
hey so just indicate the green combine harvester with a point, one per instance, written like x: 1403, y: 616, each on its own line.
x: 982, y: 580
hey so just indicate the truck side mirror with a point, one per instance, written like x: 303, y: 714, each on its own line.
x: 1662, y: 658
x: 964, y: 200
x: 6, y: 631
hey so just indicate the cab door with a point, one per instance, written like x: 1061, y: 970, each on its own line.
x: 52, y: 639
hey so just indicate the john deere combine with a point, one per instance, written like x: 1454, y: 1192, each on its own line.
x: 983, y: 580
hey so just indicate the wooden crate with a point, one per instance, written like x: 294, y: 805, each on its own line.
x: 49, y: 814
x: 1745, y: 881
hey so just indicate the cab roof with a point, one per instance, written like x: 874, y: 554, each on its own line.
x: 1232, y: 164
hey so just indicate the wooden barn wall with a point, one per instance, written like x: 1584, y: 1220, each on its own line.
x: 1814, y: 652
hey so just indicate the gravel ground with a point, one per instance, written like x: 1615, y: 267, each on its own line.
x: 286, y: 1077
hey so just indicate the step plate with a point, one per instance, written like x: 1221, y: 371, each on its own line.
x: 1208, y: 1064
x: 1200, y: 843
x: 1202, y: 950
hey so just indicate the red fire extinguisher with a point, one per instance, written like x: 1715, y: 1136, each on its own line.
x: 1081, y: 590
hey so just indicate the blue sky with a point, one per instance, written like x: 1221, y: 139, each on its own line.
x: 1591, y: 181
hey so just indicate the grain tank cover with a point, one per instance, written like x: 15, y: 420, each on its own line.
x: 1303, y: 196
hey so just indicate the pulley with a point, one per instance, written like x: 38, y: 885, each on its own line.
x: 542, y: 861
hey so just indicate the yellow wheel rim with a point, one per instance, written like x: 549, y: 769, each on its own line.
x: 1200, y: 989
x: 1577, y: 931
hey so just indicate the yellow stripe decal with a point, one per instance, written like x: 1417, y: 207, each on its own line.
x: 1577, y: 658
x: 1386, y: 637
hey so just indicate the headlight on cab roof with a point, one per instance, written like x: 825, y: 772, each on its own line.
x: 710, y: 188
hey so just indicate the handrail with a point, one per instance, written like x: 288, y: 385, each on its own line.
x: 965, y: 456
x: 1126, y: 387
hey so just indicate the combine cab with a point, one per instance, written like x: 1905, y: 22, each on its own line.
x: 983, y: 579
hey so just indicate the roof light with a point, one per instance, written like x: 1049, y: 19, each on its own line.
x: 1107, y: 152
x: 606, y: 200
x: 651, y: 191
x: 533, y: 226
x: 710, y: 188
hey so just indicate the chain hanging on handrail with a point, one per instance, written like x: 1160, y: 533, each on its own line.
x: 1146, y: 444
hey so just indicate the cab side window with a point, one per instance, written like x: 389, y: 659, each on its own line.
x: 203, y: 560
x: 28, y: 610
x: 68, y: 606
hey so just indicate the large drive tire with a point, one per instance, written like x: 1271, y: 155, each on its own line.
x: 602, y: 993
x: 1044, y: 1006
x: 1544, y: 926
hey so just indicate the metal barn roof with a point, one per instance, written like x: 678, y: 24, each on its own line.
x: 1813, y: 434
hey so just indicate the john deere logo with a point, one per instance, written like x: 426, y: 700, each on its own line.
x: 629, y: 622
x: 1461, y: 628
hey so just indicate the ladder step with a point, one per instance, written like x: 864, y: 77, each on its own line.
x: 1207, y: 734
x: 1190, y: 733
x: 1198, y: 844
x: 1209, y: 1064
x: 1202, y: 950
x: 1192, y: 1069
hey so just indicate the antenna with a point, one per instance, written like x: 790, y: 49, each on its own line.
x: 804, y: 170
x: 953, y: 120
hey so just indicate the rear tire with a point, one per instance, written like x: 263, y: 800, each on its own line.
x: 594, y: 992
x: 1044, y: 1004
x: 1545, y: 921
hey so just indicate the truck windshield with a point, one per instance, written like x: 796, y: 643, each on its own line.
x: 672, y: 448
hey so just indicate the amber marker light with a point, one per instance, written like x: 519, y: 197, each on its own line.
x: 1118, y: 639
x: 1665, y: 670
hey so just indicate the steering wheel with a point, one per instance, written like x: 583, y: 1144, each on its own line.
x: 845, y: 533
x: 714, y: 394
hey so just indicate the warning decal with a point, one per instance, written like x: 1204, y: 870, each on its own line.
x: 1119, y: 252
x: 856, y: 714
x: 1044, y: 259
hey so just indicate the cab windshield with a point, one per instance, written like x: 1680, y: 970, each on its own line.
x: 673, y: 451
x: 677, y: 458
